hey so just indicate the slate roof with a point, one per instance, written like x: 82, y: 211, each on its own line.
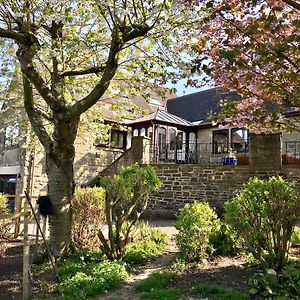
x: 162, y: 116
x: 130, y: 108
x: 197, y: 106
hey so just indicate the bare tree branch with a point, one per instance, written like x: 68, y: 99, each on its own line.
x: 34, y: 116
x: 92, y: 70
x: 294, y: 4
x: 25, y: 56
x: 11, y: 34
x: 109, y: 72
x: 111, y: 65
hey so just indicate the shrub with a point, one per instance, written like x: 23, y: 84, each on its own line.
x: 284, y: 285
x: 138, y: 253
x: 295, y: 239
x: 196, y: 223
x: 4, y: 225
x: 126, y: 199
x: 83, y: 274
x: 224, y: 241
x: 88, y: 216
x: 147, y: 243
x: 264, y: 213
x: 92, y: 280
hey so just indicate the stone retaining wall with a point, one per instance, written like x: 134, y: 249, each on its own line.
x: 216, y: 184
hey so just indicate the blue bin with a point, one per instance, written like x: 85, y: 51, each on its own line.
x: 229, y: 161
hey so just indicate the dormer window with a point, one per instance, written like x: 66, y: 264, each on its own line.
x: 11, y: 135
x: 155, y: 102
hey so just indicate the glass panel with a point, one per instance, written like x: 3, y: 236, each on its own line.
x: 143, y: 132
x: 239, y: 140
x: 117, y: 139
x: 162, y: 142
x: 11, y: 135
x: 179, y: 140
x: 150, y: 132
x: 220, y: 141
x: 172, y: 138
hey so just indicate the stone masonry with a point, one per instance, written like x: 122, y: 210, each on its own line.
x: 216, y: 184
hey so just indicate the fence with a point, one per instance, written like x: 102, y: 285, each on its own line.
x: 16, y: 276
x: 194, y: 152
x: 291, y: 152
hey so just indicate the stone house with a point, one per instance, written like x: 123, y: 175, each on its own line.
x: 184, y: 134
x: 155, y: 131
x: 21, y: 169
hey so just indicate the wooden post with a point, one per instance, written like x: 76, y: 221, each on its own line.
x: 45, y: 226
x: 38, y: 217
x: 26, y: 289
x: 17, y: 222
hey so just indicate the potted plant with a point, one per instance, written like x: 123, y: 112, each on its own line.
x: 230, y: 159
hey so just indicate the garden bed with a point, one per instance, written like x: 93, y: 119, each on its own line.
x: 222, y: 271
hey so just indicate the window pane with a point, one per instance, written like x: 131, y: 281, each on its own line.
x: 172, y: 138
x: 150, y: 132
x: 117, y: 139
x: 179, y: 140
x: 162, y: 143
x: 239, y: 140
x: 11, y: 135
x: 220, y: 141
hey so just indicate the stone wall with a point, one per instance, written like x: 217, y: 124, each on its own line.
x: 89, y: 161
x: 265, y: 151
x: 216, y: 184
x: 10, y: 156
x: 139, y: 152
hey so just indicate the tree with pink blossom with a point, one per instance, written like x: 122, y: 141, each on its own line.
x: 253, y: 47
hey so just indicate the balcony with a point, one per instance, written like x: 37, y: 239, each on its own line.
x: 194, y: 152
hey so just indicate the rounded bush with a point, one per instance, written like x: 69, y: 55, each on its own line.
x: 264, y: 213
x: 196, y: 223
x: 224, y: 241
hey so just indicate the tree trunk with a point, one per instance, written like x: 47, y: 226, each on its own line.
x: 60, y: 192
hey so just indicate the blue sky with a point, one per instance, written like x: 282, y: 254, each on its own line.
x: 182, y: 90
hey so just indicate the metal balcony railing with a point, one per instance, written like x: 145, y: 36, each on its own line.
x: 194, y: 152
x: 291, y: 151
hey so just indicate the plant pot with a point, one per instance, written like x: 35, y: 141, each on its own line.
x: 229, y: 161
